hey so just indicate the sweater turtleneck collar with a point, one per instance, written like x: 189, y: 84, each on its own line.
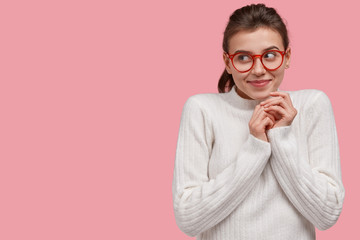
x: 241, y: 102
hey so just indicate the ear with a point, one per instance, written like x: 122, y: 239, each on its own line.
x: 227, y: 62
x: 287, y: 58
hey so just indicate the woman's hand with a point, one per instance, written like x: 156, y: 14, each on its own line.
x: 281, y: 108
x: 260, y: 122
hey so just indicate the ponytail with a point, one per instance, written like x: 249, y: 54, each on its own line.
x: 226, y: 82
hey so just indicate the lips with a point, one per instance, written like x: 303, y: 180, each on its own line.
x: 259, y: 83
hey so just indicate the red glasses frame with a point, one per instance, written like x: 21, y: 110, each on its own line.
x: 231, y: 56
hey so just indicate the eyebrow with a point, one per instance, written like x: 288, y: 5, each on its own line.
x: 266, y: 49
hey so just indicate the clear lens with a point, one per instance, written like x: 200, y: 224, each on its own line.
x: 242, y: 62
x: 271, y: 59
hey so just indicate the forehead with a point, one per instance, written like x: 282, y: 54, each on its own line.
x: 255, y: 41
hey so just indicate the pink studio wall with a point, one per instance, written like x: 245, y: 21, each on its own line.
x: 91, y: 95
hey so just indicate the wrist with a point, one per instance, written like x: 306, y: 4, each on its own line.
x: 262, y: 137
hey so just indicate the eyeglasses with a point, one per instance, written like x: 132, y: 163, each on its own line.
x: 244, y: 62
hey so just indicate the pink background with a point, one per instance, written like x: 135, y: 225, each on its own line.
x: 91, y: 98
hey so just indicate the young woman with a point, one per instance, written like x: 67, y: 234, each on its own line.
x: 254, y: 162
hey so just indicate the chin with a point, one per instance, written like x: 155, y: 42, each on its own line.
x: 260, y: 95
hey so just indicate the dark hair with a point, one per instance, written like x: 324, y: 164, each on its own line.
x: 250, y: 18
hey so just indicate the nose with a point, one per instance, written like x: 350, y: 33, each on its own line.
x: 258, y: 68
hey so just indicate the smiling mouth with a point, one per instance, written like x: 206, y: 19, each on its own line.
x: 259, y: 83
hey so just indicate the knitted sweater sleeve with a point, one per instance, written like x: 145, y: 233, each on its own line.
x: 200, y: 202
x: 312, y: 180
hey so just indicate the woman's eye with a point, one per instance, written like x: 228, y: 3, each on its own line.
x: 270, y: 55
x: 244, y: 57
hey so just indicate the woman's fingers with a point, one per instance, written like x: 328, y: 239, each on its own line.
x: 277, y: 109
x: 257, y: 111
x: 269, y: 100
x: 271, y: 116
x: 284, y: 95
x: 283, y: 117
x: 281, y: 107
x: 260, y: 122
x: 275, y: 101
x: 268, y: 122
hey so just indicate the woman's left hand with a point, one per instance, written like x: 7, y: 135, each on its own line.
x: 280, y: 106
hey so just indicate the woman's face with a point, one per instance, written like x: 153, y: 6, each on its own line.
x: 256, y: 42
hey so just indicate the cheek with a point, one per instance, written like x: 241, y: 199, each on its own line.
x: 279, y: 76
x: 238, y: 77
x: 279, y: 73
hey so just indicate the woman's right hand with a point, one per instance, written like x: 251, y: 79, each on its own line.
x: 260, y: 122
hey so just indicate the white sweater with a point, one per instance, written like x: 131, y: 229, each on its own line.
x: 229, y: 185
